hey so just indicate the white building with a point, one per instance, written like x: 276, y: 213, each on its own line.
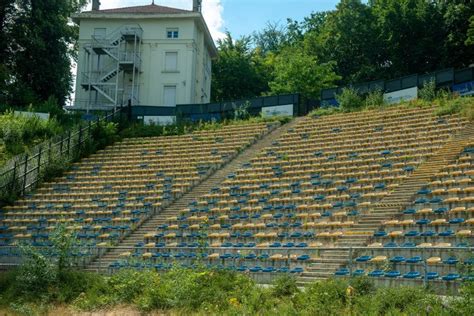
x: 144, y: 55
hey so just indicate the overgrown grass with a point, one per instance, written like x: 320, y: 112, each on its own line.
x: 444, y: 103
x: 452, y: 105
x: 139, y: 129
x: 212, y: 292
x: 48, y: 279
x: 19, y: 133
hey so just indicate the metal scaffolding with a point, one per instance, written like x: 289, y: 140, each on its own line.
x: 111, y: 69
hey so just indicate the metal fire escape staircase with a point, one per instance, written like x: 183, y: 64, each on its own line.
x: 110, y: 64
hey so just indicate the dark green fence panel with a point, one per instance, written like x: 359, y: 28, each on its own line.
x: 443, y: 78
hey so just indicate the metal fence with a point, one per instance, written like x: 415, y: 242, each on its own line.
x: 445, y: 78
x: 24, y: 172
x: 219, y: 110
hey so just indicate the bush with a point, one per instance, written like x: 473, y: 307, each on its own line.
x: 18, y: 133
x: 54, y: 168
x: 284, y: 286
x: 464, y: 304
x: 324, y: 111
x: 362, y: 286
x: 104, y: 134
x: 464, y: 106
x: 374, y: 99
x: 11, y: 193
x: 349, y: 99
x: 323, y: 297
x: 241, y: 112
x: 400, y: 300
x: 428, y: 91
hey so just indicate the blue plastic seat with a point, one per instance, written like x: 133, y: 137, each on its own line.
x: 421, y: 201
x: 303, y: 257
x: 376, y: 273
x: 268, y: 269
x: 412, y: 233
x: 446, y: 233
x: 342, y: 272
x: 436, y: 200
x: 397, y: 259
x: 412, y: 275
x: 456, y: 220
x: 424, y: 191
x: 319, y: 197
x: 428, y: 233
x: 423, y: 221
x: 451, y: 260
x: 432, y: 275
x: 363, y: 258
x: 392, y: 274
x: 297, y: 270
x: 440, y: 210
x: 451, y: 277
x: 283, y: 270
x: 358, y: 272
x: 414, y: 259
x: 380, y: 234
x: 255, y: 269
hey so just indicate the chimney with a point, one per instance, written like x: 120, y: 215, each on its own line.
x: 197, y: 5
x: 95, y: 5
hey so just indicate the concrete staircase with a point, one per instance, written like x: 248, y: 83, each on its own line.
x: 388, y: 208
x: 101, y: 263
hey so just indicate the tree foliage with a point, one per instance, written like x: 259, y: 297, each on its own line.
x: 238, y: 72
x: 470, y: 34
x: 37, y: 45
x: 358, y: 41
x: 298, y: 71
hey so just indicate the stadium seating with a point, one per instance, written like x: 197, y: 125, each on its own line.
x: 107, y: 195
x: 306, y: 190
x: 441, y: 218
x: 280, y: 210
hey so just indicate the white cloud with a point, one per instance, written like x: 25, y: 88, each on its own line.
x: 212, y: 11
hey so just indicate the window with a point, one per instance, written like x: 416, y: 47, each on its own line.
x: 169, y: 96
x: 171, y: 61
x: 172, y: 33
x: 100, y: 32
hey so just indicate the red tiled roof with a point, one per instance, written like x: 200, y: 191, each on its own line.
x: 144, y: 9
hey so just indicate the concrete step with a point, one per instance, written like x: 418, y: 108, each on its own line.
x: 198, y: 190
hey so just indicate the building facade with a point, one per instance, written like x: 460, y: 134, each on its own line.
x: 145, y: 55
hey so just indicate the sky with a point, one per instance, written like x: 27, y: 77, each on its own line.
x: 239, y: 17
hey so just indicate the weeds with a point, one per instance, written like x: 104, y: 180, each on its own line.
x: 428, y: 91
x: 349, y: 99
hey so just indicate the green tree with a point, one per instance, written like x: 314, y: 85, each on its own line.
x: 238, y: 72
x: 297, y: 71
x: 456, y: 15
x: 470, y: 32
x: 6, y: 8
x: 271, y: 39
x: 348, y: 37
x: 411, y: 33
x: 42, y: 40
